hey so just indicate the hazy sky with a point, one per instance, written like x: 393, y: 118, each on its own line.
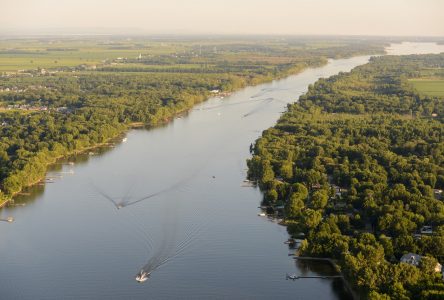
x: 367, y: 17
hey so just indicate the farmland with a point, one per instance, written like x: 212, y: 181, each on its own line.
x: 157, y: 52
x: 430, y: 87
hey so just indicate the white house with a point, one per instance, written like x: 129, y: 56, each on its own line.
x: 411, y: 259
x: 438, y: 268
x: 415, y: 259
x: 426, y: 230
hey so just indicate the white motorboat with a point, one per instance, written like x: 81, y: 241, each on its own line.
x: 142, y: 276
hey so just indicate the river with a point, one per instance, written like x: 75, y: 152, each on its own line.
x: 69, y: 241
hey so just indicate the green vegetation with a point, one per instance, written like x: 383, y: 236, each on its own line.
x: 429, y: 87
x: 70, y: 94
x: 25, y: 54
x: 358, y: 165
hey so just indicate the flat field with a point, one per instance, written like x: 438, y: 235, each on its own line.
x: 431, y: 87
x: 46, y: 53
x: 171, y: 53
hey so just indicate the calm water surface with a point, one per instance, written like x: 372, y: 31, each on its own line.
x: 71, y: 242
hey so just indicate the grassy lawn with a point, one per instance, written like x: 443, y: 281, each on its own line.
x: 431, y: 87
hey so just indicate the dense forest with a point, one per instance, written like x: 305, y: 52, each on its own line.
x: 79, y: 94
x: 357, y: 165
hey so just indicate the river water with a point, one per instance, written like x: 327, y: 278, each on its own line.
x: 69, y: 240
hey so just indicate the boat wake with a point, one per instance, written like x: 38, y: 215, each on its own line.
x: 231, y: 104
x: 173, y: 239
x: 167, y: 251
x: 127, y: 200
x: 258, y: 107
x: 8, y: 219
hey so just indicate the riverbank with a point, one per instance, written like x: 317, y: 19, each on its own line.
x: 3, y: 202
x: 326, y: 163
x: 93, y: 237
x: 150, y: 91
x: 335, y: 266
x: 54, y: 161
x: 253, y: 81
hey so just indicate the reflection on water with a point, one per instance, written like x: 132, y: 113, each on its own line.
x: 322, y: 268
x: 27, y: 196
x: 310, y: 267
x: 184, y: 208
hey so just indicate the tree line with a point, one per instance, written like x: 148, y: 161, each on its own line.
x: 357, y: 164
x: 79, y: 108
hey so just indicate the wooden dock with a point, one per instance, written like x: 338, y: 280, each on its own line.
x: 314, y: 276
x: 3, y: 203
x: 346, y: 283
x: 313, y: 258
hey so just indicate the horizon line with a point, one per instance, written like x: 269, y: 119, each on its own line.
x: 24, y: 35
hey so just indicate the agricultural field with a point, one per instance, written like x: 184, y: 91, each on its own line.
x: 48, y: 53
x: 55, y: 53
x: 430, y: 87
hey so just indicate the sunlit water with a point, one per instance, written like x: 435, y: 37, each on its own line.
x: 406, y: 48
x: 71, y: 242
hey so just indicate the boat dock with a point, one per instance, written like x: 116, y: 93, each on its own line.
x: 314, y: 276
x: 341, y: 276
x: 329, y: 260
x: 313, y: 258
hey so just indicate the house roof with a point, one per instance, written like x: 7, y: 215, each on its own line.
x: 411, y: 256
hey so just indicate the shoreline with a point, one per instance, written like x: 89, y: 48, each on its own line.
x: 337, y: 268
x: 168, y: 119
x: 73, y: 153
x: 352, y: 286
x: 138, y: 125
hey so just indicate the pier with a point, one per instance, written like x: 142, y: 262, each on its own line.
x: 292, y: 277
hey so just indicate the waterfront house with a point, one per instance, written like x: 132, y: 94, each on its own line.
x: 411, y: 259
x: 316, y: 186
x: 438, y: 268
x: 415, y: 259
x: 339, y: 190
x: 426, y: 230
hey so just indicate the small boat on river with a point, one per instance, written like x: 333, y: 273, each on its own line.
x: 142, y: 276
